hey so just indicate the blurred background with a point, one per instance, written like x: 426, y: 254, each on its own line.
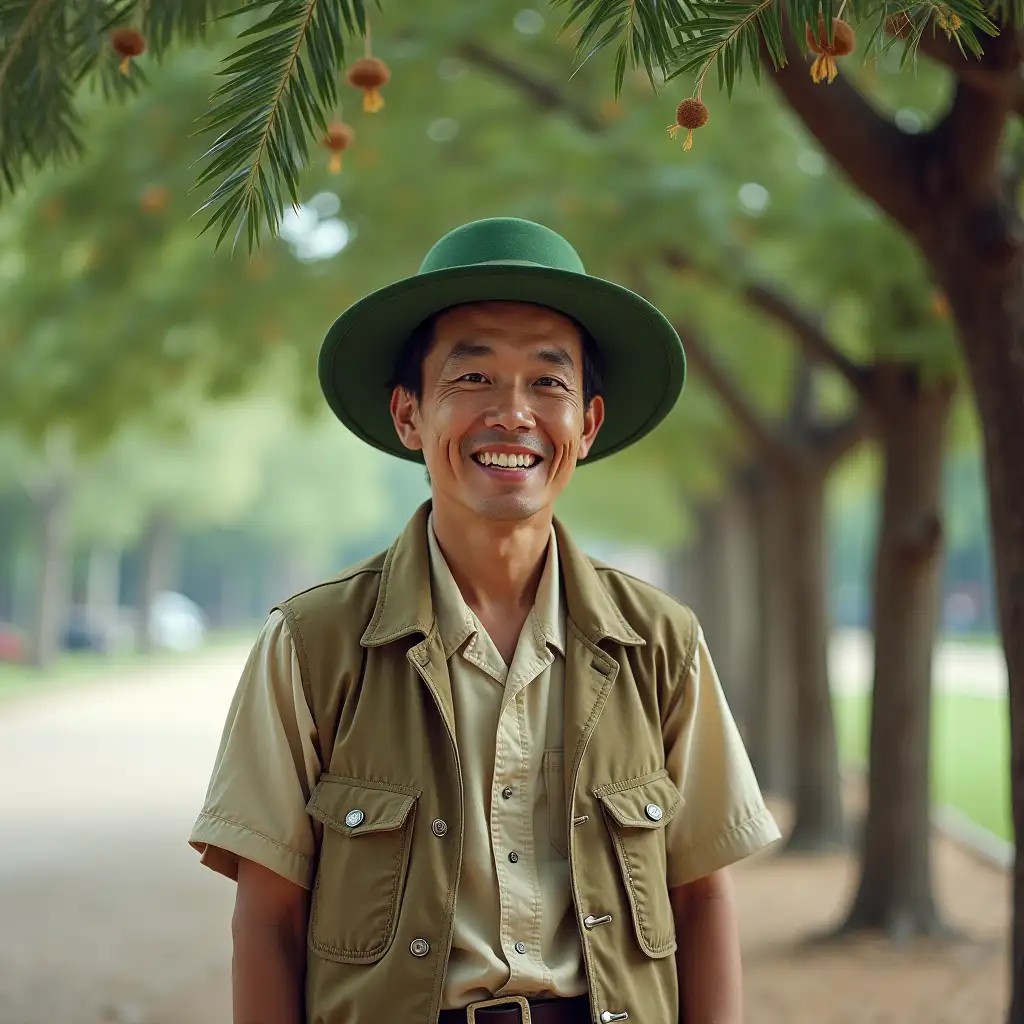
x: 168, y: 472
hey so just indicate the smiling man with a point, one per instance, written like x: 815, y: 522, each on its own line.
x: 481, y: 777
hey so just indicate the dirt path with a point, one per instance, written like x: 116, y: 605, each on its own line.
x: 106, y: 916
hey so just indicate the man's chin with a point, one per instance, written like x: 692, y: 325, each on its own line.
x: 512, y: 507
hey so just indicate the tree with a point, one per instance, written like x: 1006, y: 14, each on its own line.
x: 516, y: 175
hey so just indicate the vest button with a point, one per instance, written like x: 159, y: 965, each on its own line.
x: 439, y: 827
x: 354, y: 818
x: 419, y: 947
x: 514, y: 857
x: 520, y: 947
x: 654, y: 812
x: 506, y: 793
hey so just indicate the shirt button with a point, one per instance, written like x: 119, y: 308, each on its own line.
x: 506, y: 793
x: 354, y: 818
x: 419, y: 947
x: 514, y: 857
x: 439, y: 827
x: 520, y: 947
x: 654, y: 812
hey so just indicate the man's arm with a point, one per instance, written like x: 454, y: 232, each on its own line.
x: 708, y: 958
x: 269, y: 962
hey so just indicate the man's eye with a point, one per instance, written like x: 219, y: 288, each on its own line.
x: 549, y: 381
x: 474, y: 378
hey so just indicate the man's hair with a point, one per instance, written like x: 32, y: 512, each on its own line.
x: 408, y: 371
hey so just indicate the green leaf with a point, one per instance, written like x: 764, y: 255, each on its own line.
x: 278, y: 91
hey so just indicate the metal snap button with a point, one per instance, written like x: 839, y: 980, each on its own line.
x: 506, y: 793
x: 654, y: 812
x: 354, y: 818
x: 419, y: 947
x: 439, y: 827
x: 514, y: 857
x: 520, y: 947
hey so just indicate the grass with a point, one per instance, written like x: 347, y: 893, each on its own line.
x: 970, y: 753
x: 86, y: 666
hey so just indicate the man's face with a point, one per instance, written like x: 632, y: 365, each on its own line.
x: 501, y: 420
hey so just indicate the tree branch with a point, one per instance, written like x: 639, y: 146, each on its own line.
x: 966, y: 142
x: 805, y: 327
x: 834, y: 440
x: 724, y: 385
x: 1008, y: 88
x: 872, y: 152
x: 544, y: 92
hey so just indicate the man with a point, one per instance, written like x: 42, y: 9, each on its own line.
x: 481, y: 777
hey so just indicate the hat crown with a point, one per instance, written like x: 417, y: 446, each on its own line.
x: 502, y: 240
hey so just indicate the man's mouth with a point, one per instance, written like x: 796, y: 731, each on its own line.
x: 506, y: 460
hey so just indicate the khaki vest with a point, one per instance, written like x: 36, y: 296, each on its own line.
x: 376, y: 680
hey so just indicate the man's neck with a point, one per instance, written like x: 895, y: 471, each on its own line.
x: 497, y: 565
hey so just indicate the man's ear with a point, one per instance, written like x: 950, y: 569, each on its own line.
x: 405, y: 414
x: 592, y: 420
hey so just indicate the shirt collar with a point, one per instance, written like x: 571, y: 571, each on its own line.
x: 404, y: 603
x: 455, y: 619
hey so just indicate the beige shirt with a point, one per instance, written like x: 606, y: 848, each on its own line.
x: 515, y: 928
x: 509, y: 731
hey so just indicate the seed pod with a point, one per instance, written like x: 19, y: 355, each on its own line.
x: 338, y: 138
x: 844, y: 41
x: 127, y: 43
x: 369, y: 74
x: 690, y: 114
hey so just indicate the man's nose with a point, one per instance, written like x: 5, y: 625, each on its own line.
x: 511, y: 409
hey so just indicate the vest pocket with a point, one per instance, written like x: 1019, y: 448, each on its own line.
x: 554, y: 789
x: 364, y: 858
x: 637, y: 812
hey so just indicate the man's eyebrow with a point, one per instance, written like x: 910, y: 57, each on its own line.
x: 557, y: 357
x: 467, y: 350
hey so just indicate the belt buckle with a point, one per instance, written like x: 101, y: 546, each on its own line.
x: 521, y: 1001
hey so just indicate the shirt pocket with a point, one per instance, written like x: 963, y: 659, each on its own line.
x: 554, y: 791
x: 364, y: 859
x: 636, y: 812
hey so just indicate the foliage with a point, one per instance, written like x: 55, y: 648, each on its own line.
x: 280, y: 82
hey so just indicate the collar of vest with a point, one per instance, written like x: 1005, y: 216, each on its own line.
x: 404, y: 604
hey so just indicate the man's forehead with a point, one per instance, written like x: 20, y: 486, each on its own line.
x: 499, y: 317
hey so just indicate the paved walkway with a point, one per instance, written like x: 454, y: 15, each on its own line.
x: 108, y: 917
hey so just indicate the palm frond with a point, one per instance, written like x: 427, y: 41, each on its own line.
x: 646, y: 31
x: 280, y: 87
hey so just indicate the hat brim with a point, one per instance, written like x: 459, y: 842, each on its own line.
x: 642, y: 358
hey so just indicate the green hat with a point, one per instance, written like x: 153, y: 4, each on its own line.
x: 642, y: 359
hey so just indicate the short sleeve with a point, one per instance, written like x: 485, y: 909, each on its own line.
x: 266, y: 767
x: 723, y: 817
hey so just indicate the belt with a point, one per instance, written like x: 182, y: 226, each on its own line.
x: 518, y: 1010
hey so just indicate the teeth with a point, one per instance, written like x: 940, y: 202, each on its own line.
x: 505, y: 461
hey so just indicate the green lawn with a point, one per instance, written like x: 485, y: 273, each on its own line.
x: 970, y: 753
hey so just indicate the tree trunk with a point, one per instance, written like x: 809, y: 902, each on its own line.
x: 895, y: 894
x: 818, y: 814
x: 772, y: 731
x: 989, y: 308
x: 725, y: 598
x: 54, y: 573
x: 103, y: 586
x: 156, y: 568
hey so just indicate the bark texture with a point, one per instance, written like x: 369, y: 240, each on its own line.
x: 895, y: 893
x: 990, y: 312
x: 772, y: 714
x: 818, y: 811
